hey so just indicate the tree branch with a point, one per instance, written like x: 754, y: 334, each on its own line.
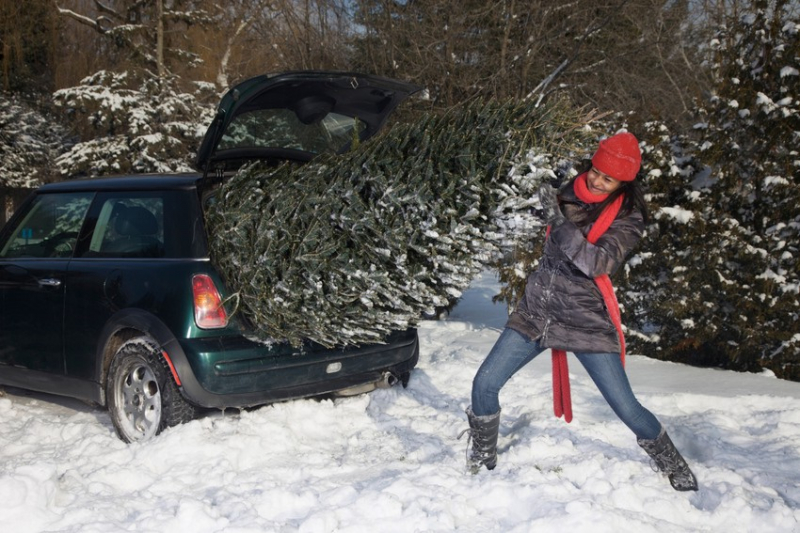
x: 576, y: 51
x: 92, y: 23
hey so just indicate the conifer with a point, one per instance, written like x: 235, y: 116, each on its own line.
x: 350, y: 247
x: 717, y: 280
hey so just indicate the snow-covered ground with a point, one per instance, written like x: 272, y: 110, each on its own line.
x: 390, y: 460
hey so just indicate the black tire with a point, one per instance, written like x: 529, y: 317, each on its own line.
x: 143, y: 398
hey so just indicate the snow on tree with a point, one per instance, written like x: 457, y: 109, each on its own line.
x: 524, y: 230
x: 348, y: 248
x: 718, y: 278
x: 29, y: 142
x: 131, y: 124
x: 141, y: 117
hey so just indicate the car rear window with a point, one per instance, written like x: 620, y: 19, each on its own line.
x: 283, y: 129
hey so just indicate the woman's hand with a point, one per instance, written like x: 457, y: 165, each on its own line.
x: 549, y: 200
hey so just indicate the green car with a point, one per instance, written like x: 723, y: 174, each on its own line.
x: 107, y: 292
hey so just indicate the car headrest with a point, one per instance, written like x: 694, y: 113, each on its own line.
x: 135, y: 222
x: 312, y: 109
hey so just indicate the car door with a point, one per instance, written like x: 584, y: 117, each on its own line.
x: 112, y: 269
x: 34, y: 256
x: 137, y: 251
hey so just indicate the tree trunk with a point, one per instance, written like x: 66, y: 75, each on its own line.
x: 160, y: 39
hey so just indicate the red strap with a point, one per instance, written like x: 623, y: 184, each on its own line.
x: 607, y: 290
x: 562, y: 399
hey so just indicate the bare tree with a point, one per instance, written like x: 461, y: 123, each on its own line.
x: 614, y: 55
x: 618, y: 55
x: 146, y: 33
x: 28, y: 32
x: 250, y: 37
x: 306, y: 34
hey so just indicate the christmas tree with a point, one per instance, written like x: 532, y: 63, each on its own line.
x: 350, y: 247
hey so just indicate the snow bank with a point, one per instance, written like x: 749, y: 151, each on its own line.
x: 390, y: 461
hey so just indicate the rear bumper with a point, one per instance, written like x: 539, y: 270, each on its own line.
x: 236, y: 372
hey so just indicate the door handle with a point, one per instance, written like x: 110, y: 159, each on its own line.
x: 49, y: 282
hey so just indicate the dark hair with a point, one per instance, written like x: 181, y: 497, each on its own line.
x: 633, y: 201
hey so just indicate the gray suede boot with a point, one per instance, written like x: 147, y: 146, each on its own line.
x: 668, y: 460
x: 483, y: 432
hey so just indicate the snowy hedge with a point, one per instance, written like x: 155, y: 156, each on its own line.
x: 30, y: 140
x: 717, y: 281
x: 131, y: 124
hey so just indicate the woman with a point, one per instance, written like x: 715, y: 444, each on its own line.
x: 569, y: 305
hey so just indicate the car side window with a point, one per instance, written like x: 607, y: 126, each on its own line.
x: 129, y: 226
x: 50, y: 226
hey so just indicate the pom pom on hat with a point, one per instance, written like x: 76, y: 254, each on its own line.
x: 619, y: 157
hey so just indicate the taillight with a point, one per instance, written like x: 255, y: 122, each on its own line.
x: 208, y: 310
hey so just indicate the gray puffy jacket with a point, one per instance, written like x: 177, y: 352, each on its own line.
x: 562, y: 305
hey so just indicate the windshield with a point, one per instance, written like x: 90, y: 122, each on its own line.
x: 280, y: 128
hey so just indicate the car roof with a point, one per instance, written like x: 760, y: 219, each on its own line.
x: 135, y: 182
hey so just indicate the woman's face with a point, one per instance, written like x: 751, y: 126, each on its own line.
x: 600, y: 183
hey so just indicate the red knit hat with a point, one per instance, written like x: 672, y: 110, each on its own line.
x: 618, y: 156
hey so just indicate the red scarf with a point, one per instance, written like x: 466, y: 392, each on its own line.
x: 562, y: 401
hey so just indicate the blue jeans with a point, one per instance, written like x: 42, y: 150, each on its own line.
x: 513, y: 350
